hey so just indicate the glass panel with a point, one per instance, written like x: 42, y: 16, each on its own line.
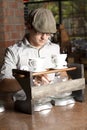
x: 73, y: 14
x: 53, y: 6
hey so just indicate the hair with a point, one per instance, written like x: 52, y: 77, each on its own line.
x: 29, y: 19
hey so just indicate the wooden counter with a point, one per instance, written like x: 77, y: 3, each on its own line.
x: 71, y: 117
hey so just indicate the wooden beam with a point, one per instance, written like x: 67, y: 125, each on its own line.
x: 57, y: 88
x: 53, y: 71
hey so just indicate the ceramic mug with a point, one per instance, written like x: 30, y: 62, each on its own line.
x: 36, y: 64
x: 60, y: 61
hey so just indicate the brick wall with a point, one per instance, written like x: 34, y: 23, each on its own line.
x: 11, y: 23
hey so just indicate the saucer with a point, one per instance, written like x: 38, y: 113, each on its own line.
x: 63, y: 101
x: 2, y: 109
x: 41, y: 107
x: 61, y: 67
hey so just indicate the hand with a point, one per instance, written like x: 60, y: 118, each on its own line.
x: 41, y: 80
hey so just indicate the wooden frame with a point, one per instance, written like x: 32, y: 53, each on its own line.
x: 25, y: 79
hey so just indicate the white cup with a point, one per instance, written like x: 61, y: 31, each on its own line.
x: 36, y: 64
x: 61, y: 61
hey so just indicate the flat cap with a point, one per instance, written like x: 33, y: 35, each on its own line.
x: 42, y: 20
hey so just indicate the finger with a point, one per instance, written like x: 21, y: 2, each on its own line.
x: 45, y: 80
x: 46, y: 77
x: 36, y: 83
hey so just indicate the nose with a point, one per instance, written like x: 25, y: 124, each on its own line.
x: 43, y: 36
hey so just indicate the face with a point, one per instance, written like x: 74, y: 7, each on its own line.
x: 38, y: 39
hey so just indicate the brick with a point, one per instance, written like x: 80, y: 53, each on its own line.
x: 13, y: 4
x: 1, y: 20
x: 1, y: 11
x: 8, y: 12
x: 1, y: 28
x: 5, y: 3
x: 19, y: 12
x: 7, y: 36
x: 2, y: 36
x: 19, y: 27
x: 9, y: 28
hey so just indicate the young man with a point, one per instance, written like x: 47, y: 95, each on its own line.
x: 40, y: 25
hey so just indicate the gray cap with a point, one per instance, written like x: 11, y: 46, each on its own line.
x: 42, y: 20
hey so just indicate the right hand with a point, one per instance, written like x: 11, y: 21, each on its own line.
x: 41, y: 80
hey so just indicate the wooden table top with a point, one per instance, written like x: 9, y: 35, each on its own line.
x: 70, y: 117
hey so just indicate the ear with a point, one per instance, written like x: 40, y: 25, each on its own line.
x: 28, y: 26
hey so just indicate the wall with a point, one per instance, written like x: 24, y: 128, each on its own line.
x: 11, y: 23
